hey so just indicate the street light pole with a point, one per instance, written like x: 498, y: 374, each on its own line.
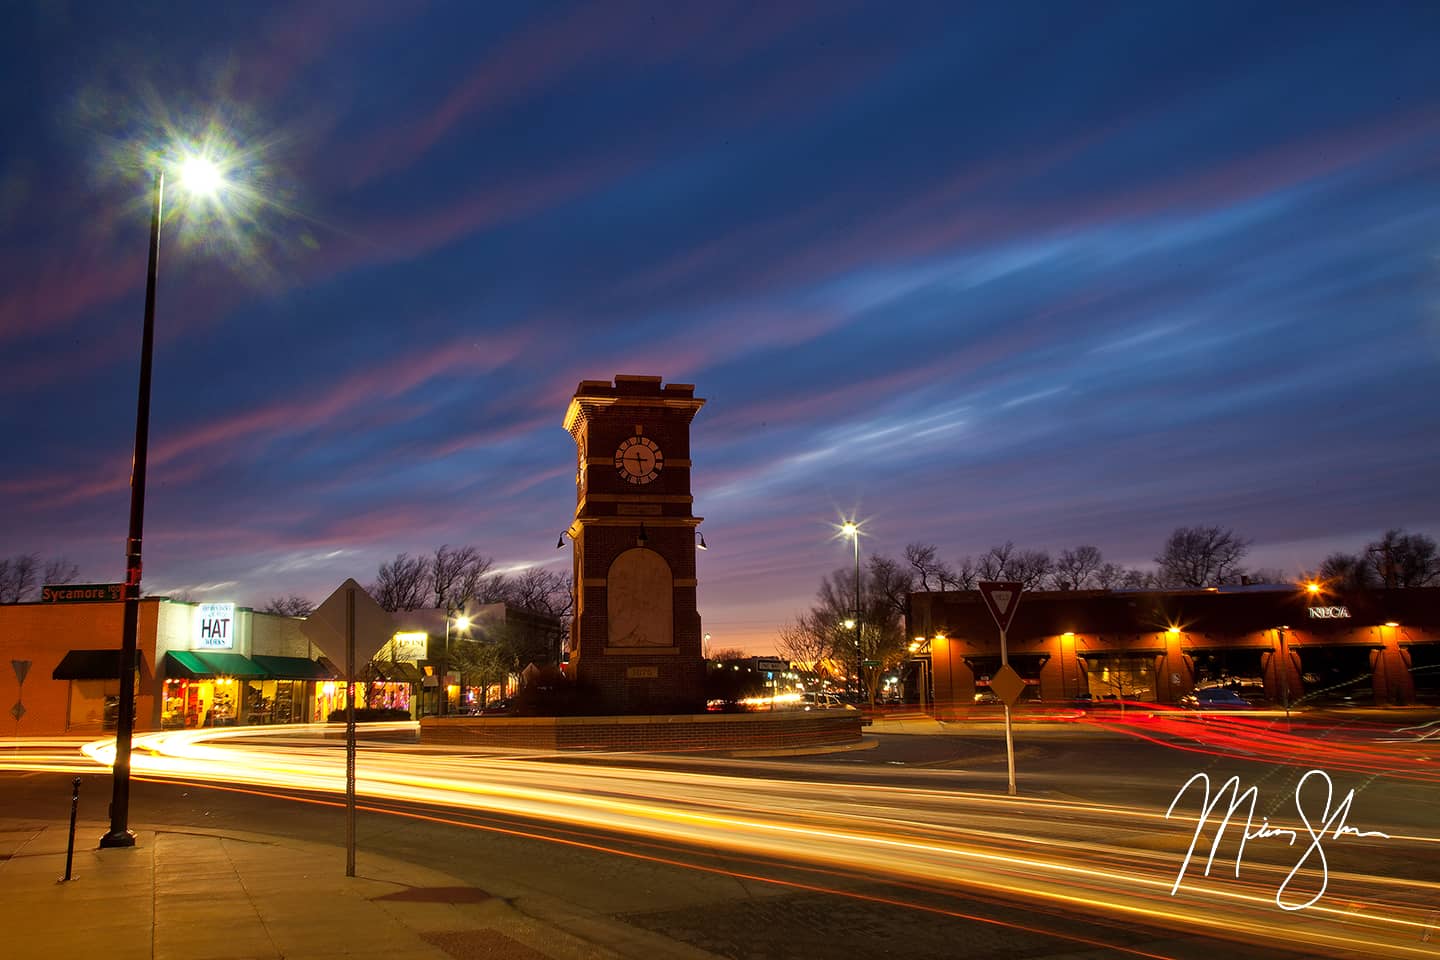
x: 442, y: 689
x: 853, y: 529
x: 119, y: 834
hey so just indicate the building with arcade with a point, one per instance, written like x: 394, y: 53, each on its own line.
x: 1283, y: 643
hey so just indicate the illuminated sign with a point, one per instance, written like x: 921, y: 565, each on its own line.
x: 214, y: 626
x: 1329, y: 613
x: 409, y: 646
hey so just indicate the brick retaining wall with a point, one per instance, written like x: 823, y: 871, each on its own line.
x: 780, y: 729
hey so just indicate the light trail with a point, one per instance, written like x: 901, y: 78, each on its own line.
x: 1113, y: 862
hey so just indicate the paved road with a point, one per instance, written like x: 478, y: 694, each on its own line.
x: 742, y: 903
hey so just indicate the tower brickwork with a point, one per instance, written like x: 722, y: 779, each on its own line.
x: 635, y: 638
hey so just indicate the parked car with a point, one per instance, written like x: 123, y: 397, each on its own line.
x: 1214, y: 698
x: 497, y: 708
x: 821, y: 701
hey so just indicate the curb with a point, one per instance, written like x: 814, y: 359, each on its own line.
x: 804, y: 751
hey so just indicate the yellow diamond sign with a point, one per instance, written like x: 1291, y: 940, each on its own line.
x: 1007, y: 685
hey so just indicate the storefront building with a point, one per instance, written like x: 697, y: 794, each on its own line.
x: 207, y: 664
x: 222, y: 664
x: 1282, y: 644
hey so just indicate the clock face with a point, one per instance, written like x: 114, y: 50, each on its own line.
x: 639, y: 460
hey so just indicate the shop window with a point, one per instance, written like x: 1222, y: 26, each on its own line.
x: 1121, y: 678
x: 1337, y: 674
x: 1238, y: 670
x: 1425, y: 669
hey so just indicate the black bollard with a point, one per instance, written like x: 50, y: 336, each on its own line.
x: 74, y: 808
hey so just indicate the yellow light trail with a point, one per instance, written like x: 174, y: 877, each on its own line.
x: 1111, y: 861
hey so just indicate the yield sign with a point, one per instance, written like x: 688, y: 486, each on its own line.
x: 22, y: 667
x: 1002, y: 597
x: 326, y: 626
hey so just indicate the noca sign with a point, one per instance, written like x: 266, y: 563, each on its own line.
x: 1329, y: 613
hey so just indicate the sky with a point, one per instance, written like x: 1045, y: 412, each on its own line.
x: 1052, y: 273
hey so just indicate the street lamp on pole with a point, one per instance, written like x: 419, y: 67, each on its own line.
x: 851, y: 529
x: 462, y: 623
x: 198, y: 175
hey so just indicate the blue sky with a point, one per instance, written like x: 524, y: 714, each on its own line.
x: 1049, y: 273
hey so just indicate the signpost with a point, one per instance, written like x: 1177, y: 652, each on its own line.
x: 347, y: 626
x: 1003, y: 598
x: 22, y: 669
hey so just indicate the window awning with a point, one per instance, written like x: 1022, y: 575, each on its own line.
x: 90, y: 665
x: 233, y: 665
x: 192, y: 665
x: 294, y: 668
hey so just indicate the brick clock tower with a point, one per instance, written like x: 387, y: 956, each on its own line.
x: 635, y: 636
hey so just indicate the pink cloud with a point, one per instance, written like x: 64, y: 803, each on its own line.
x: 537, y: 56
x: 286, y: 417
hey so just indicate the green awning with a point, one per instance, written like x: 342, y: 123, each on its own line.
x: 293, y: 668
x: 233, y: 665
x: 90, y: 665
x: 184, y: 665
x: 193, y: 665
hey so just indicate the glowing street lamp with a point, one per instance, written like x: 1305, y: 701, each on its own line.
x: 199, y: 174
x: 462, y: 623
x: 851, y: 529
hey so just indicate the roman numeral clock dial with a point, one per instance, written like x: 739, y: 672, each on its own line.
x: 639, y: 460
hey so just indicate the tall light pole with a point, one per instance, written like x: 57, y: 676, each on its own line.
x: 851, y: 529
x: 201, y: 176
x: 461, y: 623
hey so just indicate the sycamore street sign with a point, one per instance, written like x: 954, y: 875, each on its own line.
x: 82, y: 593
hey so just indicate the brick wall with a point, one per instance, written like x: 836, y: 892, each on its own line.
x: 698, y: 733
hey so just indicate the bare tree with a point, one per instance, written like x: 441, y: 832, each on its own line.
x: 542, y: 590
x: 403, y: 584
x: 60, y: 571
x: 962, y: 577
x: 921, y: 557
x: 1031, y: 568
x: 1133, y: 579
x: 1201, y: 557
x: 293, y: 605
x: 1076, y: 569
x: 728, y: 655
x: 1401, y: 560
x: 890, y: 585
x: 806, y: 640
x: 995, y: 564
x: 457, y: 574
x: 1267, y: 575
x: 17, y: 577
x: 1108, y: 576
x: 1347, y: 571
x: 884, y: 592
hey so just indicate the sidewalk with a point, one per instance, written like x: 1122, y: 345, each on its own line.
x: 182, y: 893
